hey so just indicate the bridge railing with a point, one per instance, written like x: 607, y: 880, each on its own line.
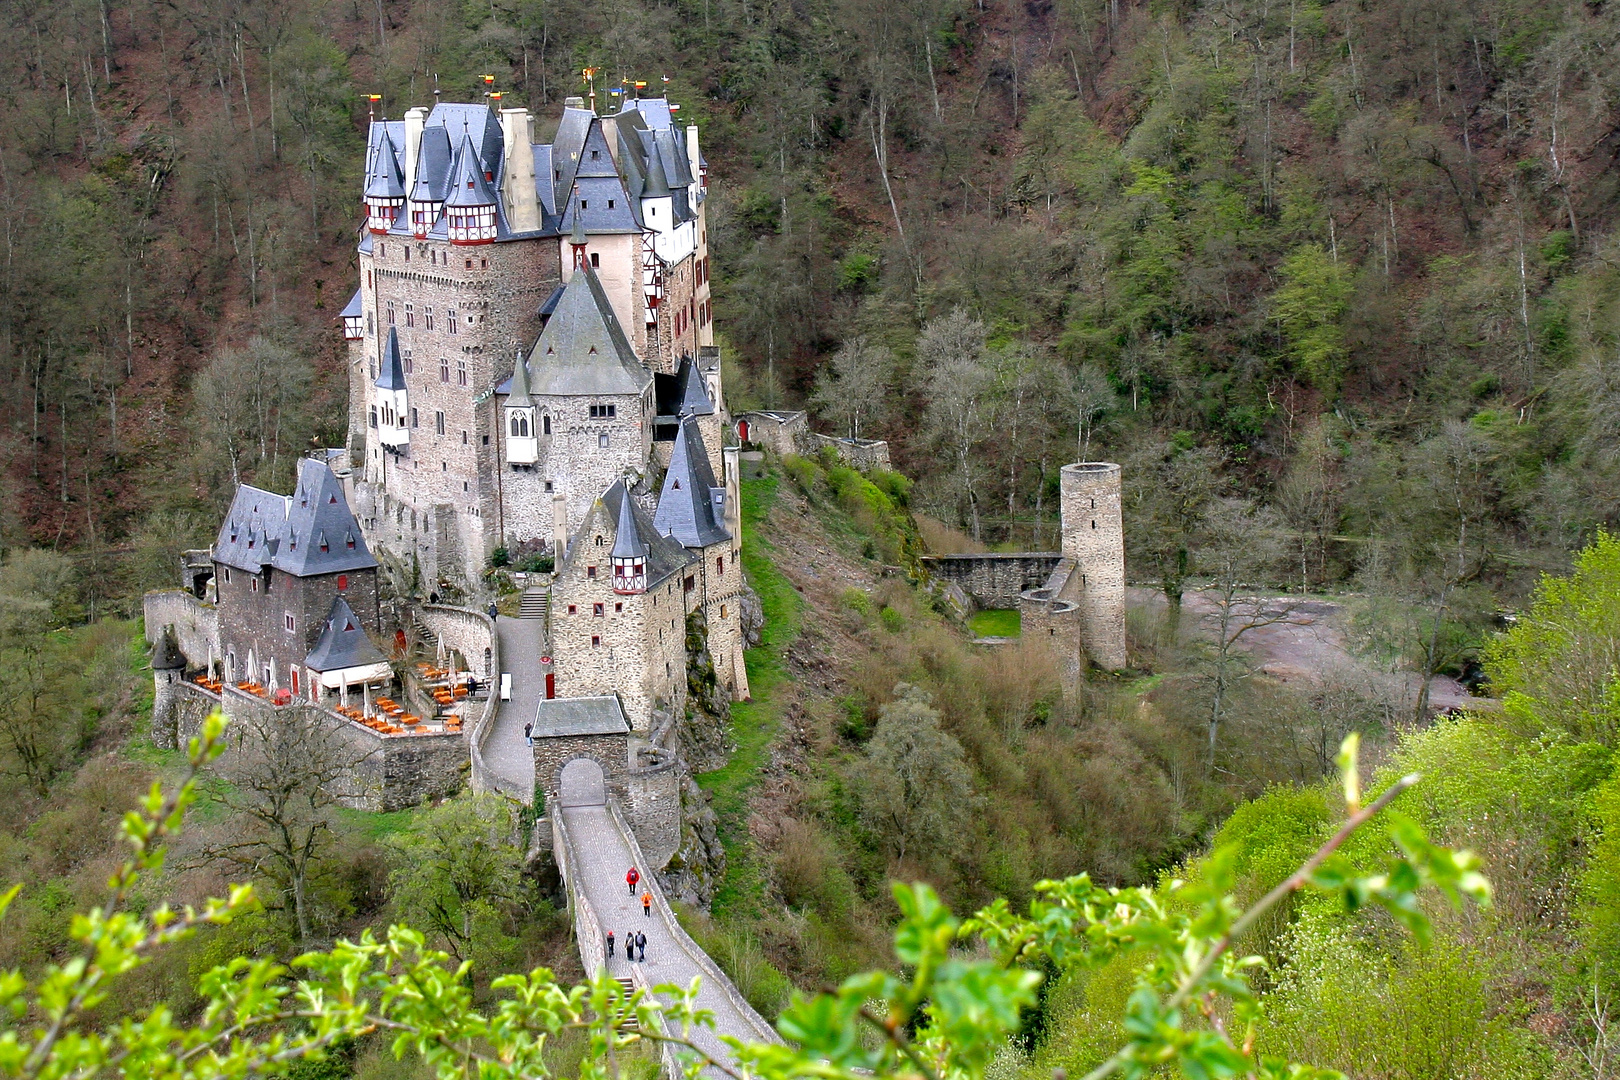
x: 587, y: 927
x: 762, y: 1030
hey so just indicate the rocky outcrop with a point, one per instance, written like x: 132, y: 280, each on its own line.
x: 704, y: 739
x: 692, y: 875
x: 753, y: 617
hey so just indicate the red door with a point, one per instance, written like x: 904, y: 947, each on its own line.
x: 551, y: 685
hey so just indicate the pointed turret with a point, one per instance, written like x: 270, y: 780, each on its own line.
x: 692, y: 505
x: 385, y: 186
x: 629, y: 552
x: 166, y: 654
x: 470, y: 203
x: 522, y: 438
x: 344, y: 654
x: 392, y: 399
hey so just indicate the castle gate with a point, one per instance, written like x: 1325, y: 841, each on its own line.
x: 583, y: 783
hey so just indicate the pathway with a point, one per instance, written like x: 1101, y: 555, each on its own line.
x: 603, y: 854
x: 507, y: 756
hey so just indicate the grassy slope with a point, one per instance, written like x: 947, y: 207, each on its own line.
x: 996, y: 623
x: 754, y: 723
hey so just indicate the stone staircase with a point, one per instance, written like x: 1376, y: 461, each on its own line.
x: 534, y: 604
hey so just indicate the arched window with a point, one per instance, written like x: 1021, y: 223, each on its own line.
x: 523, y: 422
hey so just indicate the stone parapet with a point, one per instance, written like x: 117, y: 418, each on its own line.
x: 995, y: 580
x: 862, y: 454
x: 195, y: 622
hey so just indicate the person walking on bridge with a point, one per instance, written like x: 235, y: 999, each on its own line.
x: 630, y: 945
x: 610, y: 944
x: 641, y: 944
x: 632, y: 878
x: 646, y: 902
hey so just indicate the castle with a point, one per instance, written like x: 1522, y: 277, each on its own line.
x: 532, y: 368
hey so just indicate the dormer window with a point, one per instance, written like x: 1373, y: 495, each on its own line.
x: 325, y: 547
x: 348, y: 541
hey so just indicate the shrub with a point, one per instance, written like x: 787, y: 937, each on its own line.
x: 802, y: 471
x: 500, y: 557
x: 892, y: 620
x: 857, y: 601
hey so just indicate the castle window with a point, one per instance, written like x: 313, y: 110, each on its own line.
x: 369, y: 328
x: 464, y: 486
x: 604, y: 412
x: 617, y: 608
x: 451, y: 315
x: 287, y: 621
x: 253, y: 585
x: 601, y: 542
x: 602, y: 441
x: 463, y: 438
x: 596, y: 260
x: 720, y: 565
x: 1093, y: 523
x: 483, y: 264
x: 438, y: 422
x: 689, y: 584
x: 722, y: 611
x: 545, y: 423
x: 461, y: 372
x: 571, y: 609
x: 610, y: 204
x: 444, y: 370
x: 413, y: 417
x: 599, y: 610
x: 390, y: 313
x: 596, y: 641
x: 410, y: 314
x: 410, y: 363
x: 343, y: 582
x: 596, y: 155
x: 469, y: 264
x: 590, y: 571
x: 548, y: 485
x: 227, y: 575
x: 584, y: 204
x: 407, y: 253
x: 427, y: 317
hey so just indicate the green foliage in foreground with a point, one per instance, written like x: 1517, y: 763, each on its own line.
x: 946, y: 1016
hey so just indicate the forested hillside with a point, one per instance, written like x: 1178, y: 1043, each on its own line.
x: 1351, y: 260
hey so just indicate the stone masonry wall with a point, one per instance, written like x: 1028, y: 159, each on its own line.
x: 469, y: 632
x: 612, y: 752
x: 863, y: 454
x: 994, y: 581
x: 652, y: 808
x: 195, y: 622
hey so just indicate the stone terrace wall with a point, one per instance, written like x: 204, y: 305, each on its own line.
x: 392, y: 771
x: 196, y: 623
x: 995, y: 581
x: 469, y: 632
x: 863, y: 454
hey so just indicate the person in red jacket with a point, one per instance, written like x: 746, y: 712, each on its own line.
x: 632, y: 877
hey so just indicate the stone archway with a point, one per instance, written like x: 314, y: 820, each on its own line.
x: 582, y: 783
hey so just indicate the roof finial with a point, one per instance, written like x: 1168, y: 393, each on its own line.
x: 371, y: 107
x: 435, y: 88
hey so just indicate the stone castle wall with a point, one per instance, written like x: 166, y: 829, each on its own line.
x: 469, y: 632
x: 652, y: 808
x: 994, y: 580
x: 862, y: 454
x: 612, y: 752
x: 195, y: 622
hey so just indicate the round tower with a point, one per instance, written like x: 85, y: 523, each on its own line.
x: 1094, y: 537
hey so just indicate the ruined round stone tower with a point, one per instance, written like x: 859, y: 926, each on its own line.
x: 1094, y: 537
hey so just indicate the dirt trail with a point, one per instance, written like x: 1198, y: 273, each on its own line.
x: 1311, y: 642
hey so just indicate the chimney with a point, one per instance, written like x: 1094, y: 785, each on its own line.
x: 733, y: 471
x: 559, y: 519
x: 415, y: 119
x: 522, y: 202
x: 692, y: 155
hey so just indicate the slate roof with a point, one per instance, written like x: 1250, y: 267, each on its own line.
x: 433, y: 161
x: 691, y: 508
x: 343, y: 642
x: 558, y: 717
x: 166, y: 654
x: 583, y: 351
x: 665, y: 556
x: 384, y: 180
x: 468, y: 186
x: 518, y: 385
x: 391, y: 373
x: 289, y: 531
x: 354, y: 308
x: 683, y: 393
x: 627, y: 541
x: 565, y: 151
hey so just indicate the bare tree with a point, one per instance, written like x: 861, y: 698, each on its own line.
x: 852, y: 390
x: 951, y: 354
x: 288, y: 769
x: 1092, y: 396
x: 1240, y: 551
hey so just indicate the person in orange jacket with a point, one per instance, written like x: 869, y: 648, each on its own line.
x: 646, y: 902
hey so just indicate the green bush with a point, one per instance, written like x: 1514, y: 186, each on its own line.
x: 536, y: 564
x: 802, y: 471
x: 891, y: 619
x: 857, y: 601
x: 500, y: 557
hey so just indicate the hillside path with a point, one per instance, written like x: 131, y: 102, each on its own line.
x: 507, y: 757
x: 603, y: 854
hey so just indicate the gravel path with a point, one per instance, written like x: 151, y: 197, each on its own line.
x: 603, y: 856
x: 506, y: 755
